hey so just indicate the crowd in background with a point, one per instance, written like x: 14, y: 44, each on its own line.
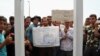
x: 7, y: 37
x: 91, y: 36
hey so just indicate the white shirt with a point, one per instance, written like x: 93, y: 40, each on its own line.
x: 67, y: 44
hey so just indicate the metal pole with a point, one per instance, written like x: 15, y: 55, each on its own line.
x: 19, y: 28
x: 78, y: 28
x: 29, y: 7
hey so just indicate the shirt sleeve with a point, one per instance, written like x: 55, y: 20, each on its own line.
x: 0, y: 40
x: 28, y: 31
x: 62, y: 34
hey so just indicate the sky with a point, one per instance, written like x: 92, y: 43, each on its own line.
x: 44, y: 7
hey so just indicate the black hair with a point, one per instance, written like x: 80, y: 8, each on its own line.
x: 93, y: 15
x: 36, y: 17
x: 27, y: 17
x: 87, y: 18
x: 49, y: 16
x: 99, y: 18
x: 2, y: 18
x: 11, y: 18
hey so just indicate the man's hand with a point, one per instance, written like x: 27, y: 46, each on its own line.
x: 8, y: 39
x: 27, y: 42
x: 65, y: 30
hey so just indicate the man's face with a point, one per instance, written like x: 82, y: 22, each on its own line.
x: 92, y: 20
x: 45, y: 22
x: 35, y: 21
x: 49, y: 20
x: 5, y: 25
x: 87, y: 22
x: 27, y: 22
x: 8, y: 26
x: 12, y: 22
x: 71, y: 23
x: 67, y: 24
x: 58, y: 23
x: 1, y: 25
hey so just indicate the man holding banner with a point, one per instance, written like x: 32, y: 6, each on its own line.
x: 47, y: 38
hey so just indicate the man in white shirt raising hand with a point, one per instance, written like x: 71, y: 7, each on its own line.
x: 67, y: 40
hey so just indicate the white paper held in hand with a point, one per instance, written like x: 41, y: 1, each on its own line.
x: 46, y: 36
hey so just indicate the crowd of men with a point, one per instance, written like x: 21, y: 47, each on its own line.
x: 91, y: 36
x: 91, y: 43
x: 7, y: 46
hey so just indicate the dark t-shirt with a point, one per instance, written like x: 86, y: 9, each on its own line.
x: 10, y: 47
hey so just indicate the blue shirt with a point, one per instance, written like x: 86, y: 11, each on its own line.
x: 29, y: 32
x: 3, y: 51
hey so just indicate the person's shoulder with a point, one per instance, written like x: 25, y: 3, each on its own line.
x: 30, y: 26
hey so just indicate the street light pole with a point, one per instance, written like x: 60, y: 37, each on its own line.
x: 29, y: 6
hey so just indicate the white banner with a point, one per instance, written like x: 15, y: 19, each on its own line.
x: 62, y: 15
x: 46, y: 36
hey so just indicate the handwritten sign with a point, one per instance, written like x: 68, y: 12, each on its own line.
x: 62, y: 15
x: 46, y: 36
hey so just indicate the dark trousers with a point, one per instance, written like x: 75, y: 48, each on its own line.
x: 11, y: 50
x: 46, y: 51
x: 56, y: 51
x: 35, y: 51
x: 99, y: 52
x: 66, y: 53
x: 90, y: 51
